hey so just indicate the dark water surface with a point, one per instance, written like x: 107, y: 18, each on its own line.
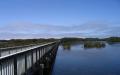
x: 94, y: 61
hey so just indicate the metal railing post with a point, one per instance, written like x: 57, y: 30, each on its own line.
x: 36, y: 54
x: 32, y: 57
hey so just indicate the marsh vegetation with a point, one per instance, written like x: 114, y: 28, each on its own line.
x: 94, y: 44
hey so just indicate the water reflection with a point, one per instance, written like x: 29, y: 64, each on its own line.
x: 113, y: 43
x: 66, y: 46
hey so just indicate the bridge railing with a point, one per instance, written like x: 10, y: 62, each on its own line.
x: 18, y: 63
x: 10, y: 50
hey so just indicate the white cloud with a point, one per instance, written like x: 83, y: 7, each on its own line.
x: 31, y: 30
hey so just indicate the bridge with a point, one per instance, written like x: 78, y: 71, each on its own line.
x: 28, y: 60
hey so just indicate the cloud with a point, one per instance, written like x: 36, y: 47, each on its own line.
x: 32, y: 30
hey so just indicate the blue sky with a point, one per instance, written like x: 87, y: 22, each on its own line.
x: 59, y: 18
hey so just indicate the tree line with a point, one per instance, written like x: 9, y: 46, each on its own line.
x: 67, y: 40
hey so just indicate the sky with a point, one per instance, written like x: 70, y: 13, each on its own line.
x: 21, y: 19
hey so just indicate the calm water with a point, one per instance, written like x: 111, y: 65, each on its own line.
x: 80, y: 61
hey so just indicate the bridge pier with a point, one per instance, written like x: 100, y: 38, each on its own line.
x: 46, y: 63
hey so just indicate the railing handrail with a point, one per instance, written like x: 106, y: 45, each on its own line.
x: 19, y: 52
x: 17, y: 47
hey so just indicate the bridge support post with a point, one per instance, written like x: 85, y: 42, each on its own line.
x: 42, y: 69
x: 15, y: 65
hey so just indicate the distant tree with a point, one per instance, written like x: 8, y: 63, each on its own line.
x: 113, y: 39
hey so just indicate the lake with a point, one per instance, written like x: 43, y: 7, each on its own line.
x: 76, y: 60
